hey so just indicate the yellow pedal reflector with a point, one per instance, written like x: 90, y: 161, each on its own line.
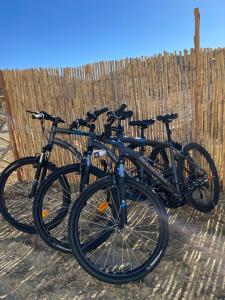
x: 103, y: 206
x: 44, y: 213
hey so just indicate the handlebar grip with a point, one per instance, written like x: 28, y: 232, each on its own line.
x: 47, y: 117
x: 59, y: 120
x: 97, y: 113
x: 127, y: 114
x: 35, y: 114
x: 52, y: 118
x: 120, y: 110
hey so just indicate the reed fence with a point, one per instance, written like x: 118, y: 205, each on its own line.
x: 148, y: 85
x: 5, y: 148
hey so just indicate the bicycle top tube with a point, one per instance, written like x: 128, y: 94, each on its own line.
x: 143, y: 141
x: 71, y: 131
x: 130, y: 153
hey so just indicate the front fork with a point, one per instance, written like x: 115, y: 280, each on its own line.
x: 85, y: 171
x: 122, y: 195
x: 40, y: 172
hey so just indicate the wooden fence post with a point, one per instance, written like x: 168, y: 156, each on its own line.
x: 197, y: 87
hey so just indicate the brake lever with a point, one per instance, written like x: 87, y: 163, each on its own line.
x: 31, y: 112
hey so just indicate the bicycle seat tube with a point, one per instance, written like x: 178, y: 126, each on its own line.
x: 171, y: 150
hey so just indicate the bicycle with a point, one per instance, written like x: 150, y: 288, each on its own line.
x: 117, y: 259
x: 57, y: 239
x: 20, y: 181
x: 54, y: 233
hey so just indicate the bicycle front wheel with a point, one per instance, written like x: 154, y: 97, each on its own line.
x: 15, y: 188
x: 125, y: 253
x: 50, y: 217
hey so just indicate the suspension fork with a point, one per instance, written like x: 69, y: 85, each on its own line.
x: 85, y: 170
x: 43, y: 160
x: 122, y: 205
x: 40, y: 171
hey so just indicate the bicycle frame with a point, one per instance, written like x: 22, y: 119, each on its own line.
x: 139, y: 157
x: 46, y: 150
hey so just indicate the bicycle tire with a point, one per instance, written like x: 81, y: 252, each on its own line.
x: 78, y: 248
x: 43, y: 229
x: 3, y: 183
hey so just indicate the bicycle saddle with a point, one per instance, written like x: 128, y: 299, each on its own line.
x: 142, y: 123
x: 167, y: 118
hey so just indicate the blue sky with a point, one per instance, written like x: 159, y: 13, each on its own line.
x: 51, y: 33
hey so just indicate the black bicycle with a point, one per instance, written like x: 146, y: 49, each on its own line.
x: 57, y: 237
x: 133, y: 227
x: 21, y: 179
x: 49, y: 197
x: 145, y: 207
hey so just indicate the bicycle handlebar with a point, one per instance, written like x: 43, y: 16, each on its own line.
x: 91, y: 117
x: 42, y: 115
x: 115, y: 115
x: 97, y: 113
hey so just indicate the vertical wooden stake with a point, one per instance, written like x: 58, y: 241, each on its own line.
x: 197, y: 121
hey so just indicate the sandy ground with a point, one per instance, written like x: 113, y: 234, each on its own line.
x: 193, y: 267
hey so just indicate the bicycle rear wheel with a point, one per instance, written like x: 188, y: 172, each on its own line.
x: 198, y: 173
x: 127, y: 253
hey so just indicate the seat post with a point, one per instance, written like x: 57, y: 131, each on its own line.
x: 143, y: 137
x: 168, y: 131
x: 172, y: 157
x: 142, y: 132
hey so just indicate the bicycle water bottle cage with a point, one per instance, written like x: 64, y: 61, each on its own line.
x: 167, y: 118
